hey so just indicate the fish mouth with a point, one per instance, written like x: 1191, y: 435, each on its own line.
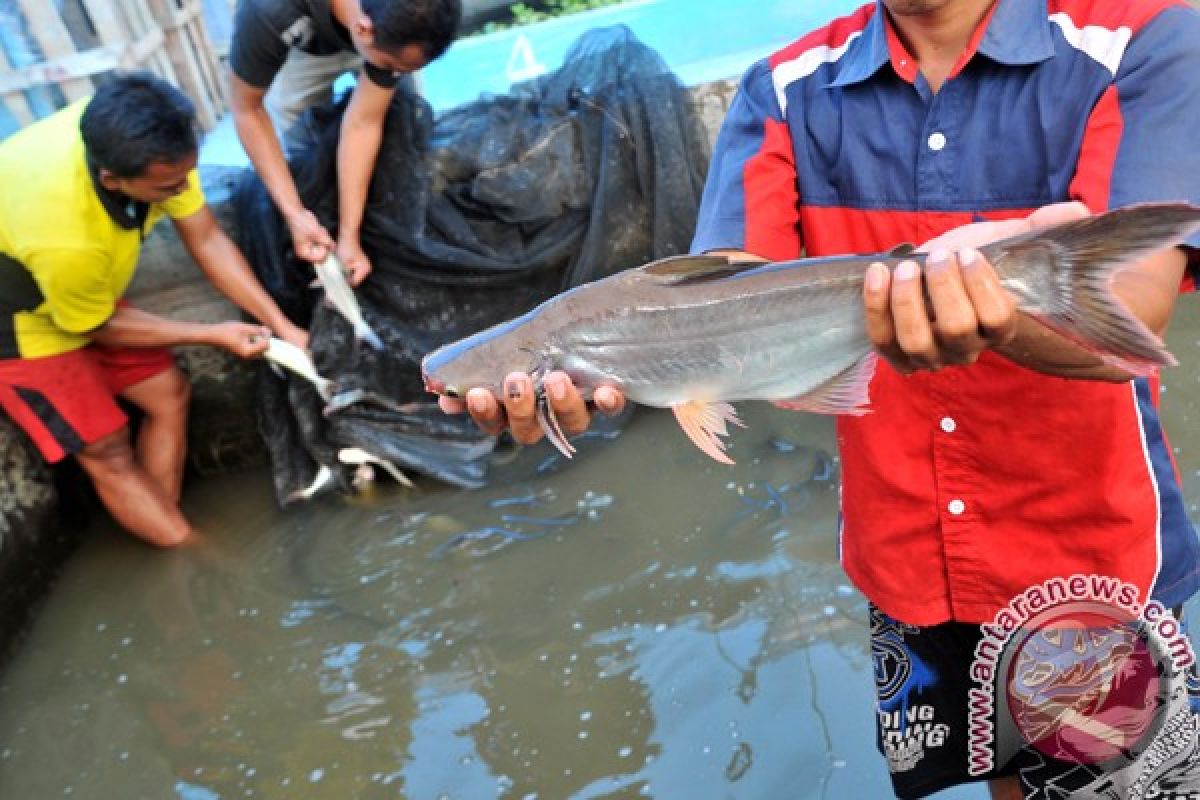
x: 434, y: 385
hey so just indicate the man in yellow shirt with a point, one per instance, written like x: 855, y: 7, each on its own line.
x: 79, y: 191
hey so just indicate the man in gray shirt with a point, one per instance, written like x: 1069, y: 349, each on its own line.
x: 296, y: 49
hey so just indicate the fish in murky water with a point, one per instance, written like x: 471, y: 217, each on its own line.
x: 285, y: 354
x: 695, y: 333
x: 332, y: 278
x: 356, y: 456
x: 324, y: 479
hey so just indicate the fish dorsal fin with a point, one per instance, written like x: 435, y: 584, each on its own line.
x: 678, y: 270
x: 902, y: 250
x: 704, y: 423
x: 844, y: 393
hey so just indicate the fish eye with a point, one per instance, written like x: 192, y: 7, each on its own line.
x: 450, y: 392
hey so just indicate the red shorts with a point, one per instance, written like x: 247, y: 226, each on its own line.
x: 67, y: 401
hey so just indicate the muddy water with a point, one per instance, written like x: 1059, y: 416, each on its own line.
x: 641, y: 622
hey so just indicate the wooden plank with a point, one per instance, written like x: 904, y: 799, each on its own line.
x: 208, y: 62
x: 111, y: 26
x: 190, y: 59
x: 80, y: 66
x: 15, y: 102
x: 52, y: 36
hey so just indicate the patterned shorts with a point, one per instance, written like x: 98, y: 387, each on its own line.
x: 1088, y: 704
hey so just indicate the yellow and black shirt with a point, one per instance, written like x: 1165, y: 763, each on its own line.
x: 68, y: 247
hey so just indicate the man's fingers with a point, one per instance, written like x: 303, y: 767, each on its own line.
x: 910, y: 316
x: 487, y: 413
x: 955, y: 323
x: 995, y: 309
x: 452, y: 405
x: 569, y: 407
x: 521, y: 408
x: 877, y: 304
x: 609, y: 400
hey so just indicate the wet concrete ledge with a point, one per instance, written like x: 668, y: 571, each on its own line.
x: 42, y: 512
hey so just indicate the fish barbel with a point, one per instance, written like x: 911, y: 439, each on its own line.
x: 696, y: 333
x: 332, y: 278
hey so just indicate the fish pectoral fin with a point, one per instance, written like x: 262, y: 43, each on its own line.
x: 704, y: 424
x: 902, y: 250
x: 844, y: 393
x: 695, y: 269
x: 549, y: 424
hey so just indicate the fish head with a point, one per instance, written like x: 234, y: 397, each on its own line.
x: 482, y: 361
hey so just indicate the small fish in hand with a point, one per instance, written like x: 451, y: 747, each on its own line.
x: 697, y: 333
x: 280, y: 353
x: 332, y: 278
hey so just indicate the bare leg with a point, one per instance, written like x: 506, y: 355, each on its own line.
x: 131, y: 495
x: 162, y: 439
x: 1007, y: 788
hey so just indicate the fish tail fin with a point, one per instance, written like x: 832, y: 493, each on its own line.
x: 1075, y: 264
x: 704, y: 424
x: 363, y: 331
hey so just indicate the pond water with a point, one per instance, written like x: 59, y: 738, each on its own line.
x: 638, y: 622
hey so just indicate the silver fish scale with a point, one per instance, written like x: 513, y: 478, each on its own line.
x: 700, y: 347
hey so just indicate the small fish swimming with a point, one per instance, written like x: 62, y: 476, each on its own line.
x: 356, y: 456
x: 696, y: 333
x: 284, y: 354
x: 332, y: 278
x: 321, y: 481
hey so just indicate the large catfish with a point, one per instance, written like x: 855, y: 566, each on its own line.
x: 695, y: 333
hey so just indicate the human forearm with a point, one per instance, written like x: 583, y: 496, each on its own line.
x: 226, y: 269
x: 358, y: 148
x: 265, y: 152
x: 133, y: 327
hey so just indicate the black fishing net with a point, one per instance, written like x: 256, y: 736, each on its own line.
x: 473, y: 217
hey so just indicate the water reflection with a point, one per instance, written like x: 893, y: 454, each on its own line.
x: 640, y: 622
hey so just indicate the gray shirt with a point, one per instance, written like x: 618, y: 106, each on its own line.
x: 265, y: 30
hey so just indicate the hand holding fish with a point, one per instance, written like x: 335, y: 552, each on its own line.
x: 353, y: 259
x: 240, y: 338
x: 1063, y: 292
x: 956, y: 307
x: 518, y: 408
x: 310, y: 240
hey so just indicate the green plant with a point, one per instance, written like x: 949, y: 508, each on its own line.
x: 529, y: 13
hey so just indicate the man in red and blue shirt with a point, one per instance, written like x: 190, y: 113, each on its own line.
x: 1026, y: 459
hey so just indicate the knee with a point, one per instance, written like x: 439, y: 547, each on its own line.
x: 171, y: 397
x: 112, y: 454
x: 178, y: 391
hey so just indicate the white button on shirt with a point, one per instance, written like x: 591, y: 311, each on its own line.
x: 936, y: 141
x: 956, y: 507
x: 948, y: 424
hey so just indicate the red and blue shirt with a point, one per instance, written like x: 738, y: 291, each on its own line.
x: 968, y: 485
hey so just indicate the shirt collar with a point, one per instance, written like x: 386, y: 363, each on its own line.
x: 1017, y: 33
x: 126, y: 213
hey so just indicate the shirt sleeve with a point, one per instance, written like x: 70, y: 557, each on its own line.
x: 1140, y: 145
x: 257, y: 51
x: 379, y: 76
x: 76, y: 286
x: 751, y: 199
x: 187, y: 202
